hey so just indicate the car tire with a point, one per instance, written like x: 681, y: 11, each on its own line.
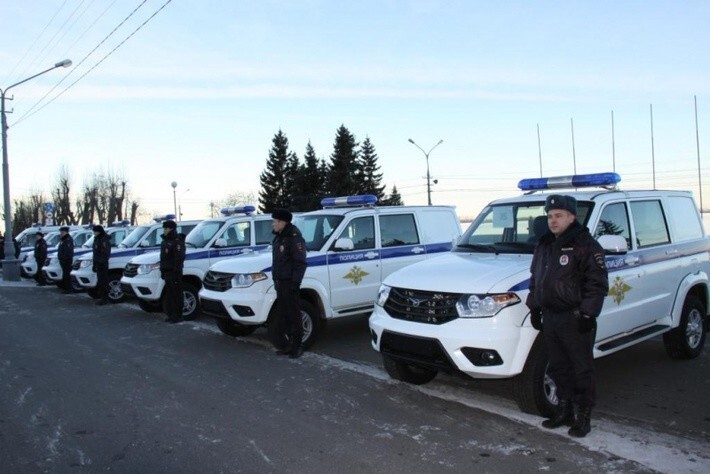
x: 191, y: 302
x: 406, y: 372
x: 150, y: 306
x: 687, y: 340
x: 234, y: 329
x: 312, y: 325
x: 534, y: 391
x: 115, y: 292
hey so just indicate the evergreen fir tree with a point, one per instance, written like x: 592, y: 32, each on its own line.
x: 323, y: 173
x: 308, y: 190
x: 369, y: 177
x: 344, y: 167
x: 394, y: 199
x: 276, y: 179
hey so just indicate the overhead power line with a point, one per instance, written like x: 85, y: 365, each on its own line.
x: 36, y: 108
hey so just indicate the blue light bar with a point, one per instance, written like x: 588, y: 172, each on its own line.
x: 231, y: 210
x: 361, y: 200
x: 572, y: 181
x: 122, y: 223
x: 166, y: 217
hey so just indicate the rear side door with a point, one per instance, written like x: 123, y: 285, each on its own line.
x: 401, y: 241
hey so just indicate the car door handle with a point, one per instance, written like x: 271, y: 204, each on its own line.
x: 672, y: 252
x: 417, y: 250
x: 631, y: 260
x: 371, y: 255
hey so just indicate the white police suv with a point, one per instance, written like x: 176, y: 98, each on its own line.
x: 465, y: 311
x: 28, y: 267
x: 239, y: 232
x: 351, y: 244
x: 142, y: 239
x: 83, y: 243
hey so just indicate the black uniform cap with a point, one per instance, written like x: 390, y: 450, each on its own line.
x: 64, y: 229
x: 170, y: 224
x: 98, y: 228
x: 559, y: 201
x: 282, y: 215
x: 40, y: 234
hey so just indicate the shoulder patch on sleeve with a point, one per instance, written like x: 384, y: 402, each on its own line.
x: 599, y: 259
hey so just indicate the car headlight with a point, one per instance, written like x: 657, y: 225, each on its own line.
x: 48, y: 262
x: 244, y: 280
x: 484, y: 306
x: 86, y: 263
x: 147, y: 268
x: 382, y: 294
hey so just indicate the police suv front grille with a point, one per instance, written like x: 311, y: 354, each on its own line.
x: 430, y: 307
x: 218, y: 281
x: 131, y: 270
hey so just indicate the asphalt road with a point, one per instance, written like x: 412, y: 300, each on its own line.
x: 88, y: 388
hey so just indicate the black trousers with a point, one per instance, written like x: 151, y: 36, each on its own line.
x: 66, y: 275
x: 174, y: 298
x: 102, y: 281
x: 571, y: 357
x: 290, y: 311
x: 39, y: 276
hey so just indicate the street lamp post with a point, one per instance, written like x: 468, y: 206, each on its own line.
x: 174, y: 185
x: 179, y: 215
x: 428, y: 176
x: 11, y: 265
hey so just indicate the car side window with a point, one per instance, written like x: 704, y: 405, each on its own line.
x: 614, y: 220
x: 263, y: 232
x: 649, y: 223
x: 683, y: 216
x: 361, y: 231
x: 398, y: 229
x: 238, y: 234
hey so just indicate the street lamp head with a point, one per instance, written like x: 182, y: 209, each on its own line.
x: 65, y: 63
x: 411, y: 141
x: 440, y: 142
x: 174, y: 184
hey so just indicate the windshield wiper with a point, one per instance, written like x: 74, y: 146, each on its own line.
x: 480, y: 247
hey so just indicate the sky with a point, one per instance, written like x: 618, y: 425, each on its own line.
x: 193, y: 92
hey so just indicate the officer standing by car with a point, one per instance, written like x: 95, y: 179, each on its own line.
x: 101, y: 254
x: 288, y: 267
x: 40, y: 257
x: 568, y: 285
x: 172, y: 258
x: 65, y: 255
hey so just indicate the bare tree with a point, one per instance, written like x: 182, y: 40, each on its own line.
x: 60, y: 195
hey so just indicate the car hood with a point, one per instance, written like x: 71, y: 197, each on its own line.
x: 146, y: 258
x: 457, y: 272
x: 251, y: 263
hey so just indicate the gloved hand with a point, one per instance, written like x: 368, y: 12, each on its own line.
x: 586, y: 323
x: 536, y: 318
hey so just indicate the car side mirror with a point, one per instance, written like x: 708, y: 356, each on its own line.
x: 220, y: 242
x: 144, y: 244
x: 613, y: 244
x: 344, y: 243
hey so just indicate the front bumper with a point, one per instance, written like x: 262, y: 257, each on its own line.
x: 28, y: 268
x: 147, y: 287
x: 244, y: 307
x: 53, y: 272
x: 481, y: 347
x: 84, y: 277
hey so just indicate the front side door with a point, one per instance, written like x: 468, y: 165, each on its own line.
x: 355, y: 275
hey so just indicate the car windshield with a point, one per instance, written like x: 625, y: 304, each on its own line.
x: 317, y: 229
x: 134, y: 237
x: 202, y: 233
x: 511, y: 228
x: 52, y: 239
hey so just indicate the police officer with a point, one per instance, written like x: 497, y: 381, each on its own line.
x: 172, y: 258
x: 567, y: 289
x: 40, y: 257
x: 288, y: 268
x: 101, y: 254
x: 65, y: 255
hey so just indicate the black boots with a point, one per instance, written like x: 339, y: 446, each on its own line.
x: 564, y: 416
x: 582, y: 423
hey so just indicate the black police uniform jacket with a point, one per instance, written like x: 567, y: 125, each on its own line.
x: 101, y: 250
x: 65, y: 251
x: 172, y: 253
x: 289, y: 255
x: 40, y: 252
x: 568, y: 273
